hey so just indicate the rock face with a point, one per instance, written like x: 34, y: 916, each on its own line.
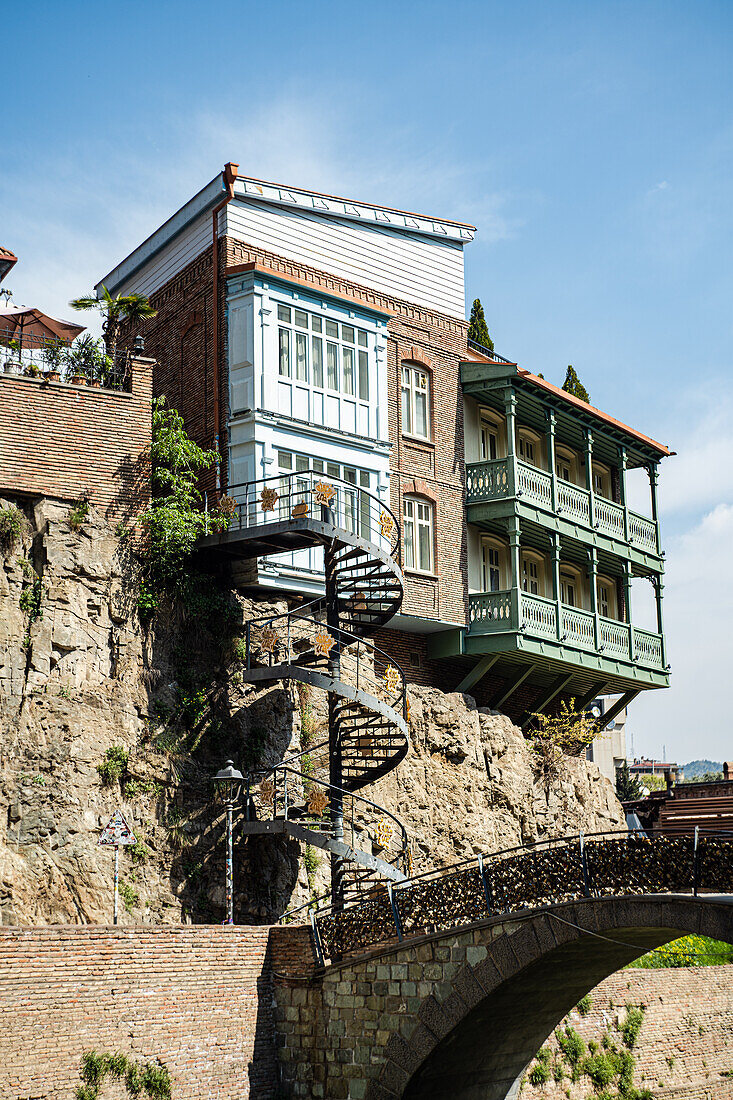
x: 471, y: 785
x: 80, y: 675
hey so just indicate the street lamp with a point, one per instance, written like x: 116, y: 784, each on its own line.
x: 228, y: 787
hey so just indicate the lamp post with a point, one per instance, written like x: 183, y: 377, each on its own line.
x: 228, y: 786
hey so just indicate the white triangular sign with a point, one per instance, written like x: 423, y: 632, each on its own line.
x: 117, y: 831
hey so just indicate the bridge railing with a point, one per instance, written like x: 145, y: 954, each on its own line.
x: 522, y: 878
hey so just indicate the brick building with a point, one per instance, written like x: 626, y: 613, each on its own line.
x: 302, y: 332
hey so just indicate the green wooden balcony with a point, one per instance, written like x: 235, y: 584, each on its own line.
x: 568, y: 628
x: 559, y: 504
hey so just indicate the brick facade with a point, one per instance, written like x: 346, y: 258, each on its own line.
x: 199, y: 999
x: 63, y: 441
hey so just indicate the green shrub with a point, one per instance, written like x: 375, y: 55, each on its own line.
x: 78, y: 513
x: 601, y: 1069
x: 129, y: 896
x: 539, y: 1074
x: 151, y: 1078
x: 138, y: 852
x: 585, y: 1004
x: 573, y: 1047
x: 114, y: 765
x: 632, y: 1025
x: 13, y: 524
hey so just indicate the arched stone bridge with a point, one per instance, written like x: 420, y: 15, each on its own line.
x: 460, y: 1011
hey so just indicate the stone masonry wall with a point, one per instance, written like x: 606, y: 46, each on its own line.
x: 64, y: 441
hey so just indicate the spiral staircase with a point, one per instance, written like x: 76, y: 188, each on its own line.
x: 325, y: 644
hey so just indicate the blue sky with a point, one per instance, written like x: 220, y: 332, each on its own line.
x: 592, y: 144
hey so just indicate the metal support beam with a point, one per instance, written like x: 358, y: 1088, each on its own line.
x: 595, y: 691
x: 617, y: 707
x: 478, y: 672
x: 500, y: 698
x: 554, y: 689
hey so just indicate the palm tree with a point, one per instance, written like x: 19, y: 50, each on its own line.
x: 125, y: 307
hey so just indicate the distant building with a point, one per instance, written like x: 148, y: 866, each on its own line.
x: 641, y: 767
x: 608, y: 750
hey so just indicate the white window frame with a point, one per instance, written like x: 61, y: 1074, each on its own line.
x: 418, y: 513
x: 565, y: 455
x: 601, y: 470
x: 610, y: 584
x: 527, y: 560
x: 525, y: 436
x: 414, y: 382
x: 571, y: 574
x: 488, y: 427
x: 498, y: 548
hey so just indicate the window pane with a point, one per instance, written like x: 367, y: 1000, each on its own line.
x: 425, y: 548
x: 332, y: 361
x: 348, y: 354
x: 284, y: 353
x: 318, y: 465
x: 347, y: 334
x: 364, y: 478
x: 406, y: 411
x: 333, y: 469
x: 301, y: 318
x: 350, y: 475
x: 317, y: 361
x: 301, y: 360
x: 408, y: 531
x: 316, y: 324
x: 301, y: 463
x: 363, y: 376
x: 421, y: 415
x: 362, y: 339
x: 283, y: 313
x: 285, y: 460
x: 332, y: 329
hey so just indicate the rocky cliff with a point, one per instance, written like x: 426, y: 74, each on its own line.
x: 100, y: 710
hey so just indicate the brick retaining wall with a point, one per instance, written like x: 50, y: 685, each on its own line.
x: 198, y: 998
x: 61, y: 440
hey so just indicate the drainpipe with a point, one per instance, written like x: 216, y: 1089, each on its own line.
x: 229, y: 175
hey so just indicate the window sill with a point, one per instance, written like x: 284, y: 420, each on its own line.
x: 419, y: 573
x: 418, y: 440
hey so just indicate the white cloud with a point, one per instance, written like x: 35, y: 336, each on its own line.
x: 663, y: 186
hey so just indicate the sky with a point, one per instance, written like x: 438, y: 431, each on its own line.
x: 591, y: 143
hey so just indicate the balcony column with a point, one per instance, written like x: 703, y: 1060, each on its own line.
x: 551, y: 422
x: 627, y: 601
x: 556, y: 591
x: 510, y: 412
x: 589, y: 474
x: 622, y: 460
x: 653, y: 471
x: 658, y: 592
x: 593, y: 581
x: 516, y: 581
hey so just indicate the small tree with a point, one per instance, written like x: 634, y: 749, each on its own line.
x: 566, y: 732
x: 628, y: 786
x: 573, y: 385
x: 125, y: 307
x: 478, y: 330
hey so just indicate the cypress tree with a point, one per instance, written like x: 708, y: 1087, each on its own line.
x: 573, y: 385
x: 478, y: 330
x: 628, y: 786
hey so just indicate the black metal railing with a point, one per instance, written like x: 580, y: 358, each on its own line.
x: 522, y: 878
x: 84, y: 361
x: 489, y: 354
x: 284, y: 793
x: 310, y: 494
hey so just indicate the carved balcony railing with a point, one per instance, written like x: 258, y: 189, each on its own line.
x: 492, y: 481
x: 492, y: 613
x: 528, y: 878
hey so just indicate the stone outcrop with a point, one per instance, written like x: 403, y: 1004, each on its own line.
x: 80, y: 675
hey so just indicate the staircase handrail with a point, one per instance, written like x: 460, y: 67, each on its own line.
x: 258, y: 774
x: 387, y: 532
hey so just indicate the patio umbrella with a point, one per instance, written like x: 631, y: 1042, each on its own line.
x: 18, y: 321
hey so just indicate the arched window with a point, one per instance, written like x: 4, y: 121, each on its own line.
x: 418, y: 531
x: 416, y: 401
x: 532, y: 567
x: 493, y: 565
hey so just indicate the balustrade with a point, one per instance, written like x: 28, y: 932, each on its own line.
x: 539, y: 616
x: 487, y: 480
x: 490, y: 612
